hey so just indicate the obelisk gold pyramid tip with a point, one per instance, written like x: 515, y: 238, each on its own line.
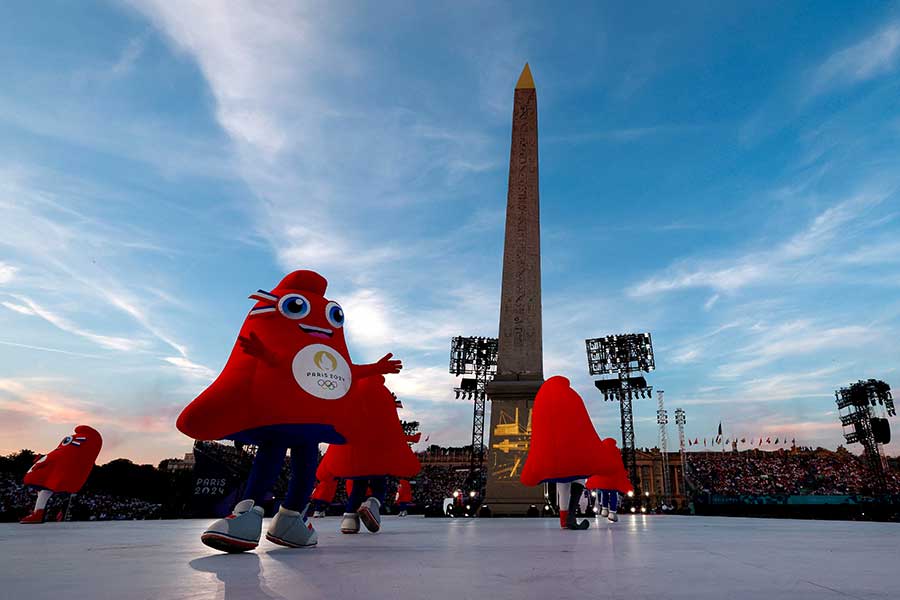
x: 526, y: 82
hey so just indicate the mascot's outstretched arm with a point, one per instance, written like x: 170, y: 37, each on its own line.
x: 384, y: 366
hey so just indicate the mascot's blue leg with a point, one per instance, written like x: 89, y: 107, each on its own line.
x: 379, y: 487
x: 304, y: 460
x: 265, y: 471
x: 613, y: 500
x: 357, y: 495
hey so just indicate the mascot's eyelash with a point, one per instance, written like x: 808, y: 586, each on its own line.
x: 263, y: 296
x: 77, y: 441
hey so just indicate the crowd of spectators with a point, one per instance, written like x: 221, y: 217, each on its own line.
x: 436, y: 482
x: 16, y: 501
x: 784, y: 472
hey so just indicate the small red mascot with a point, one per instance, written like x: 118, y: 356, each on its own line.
x: 379, y: 451
x: 64, y: 469
x: 612, y: 483
x: 564, y: 448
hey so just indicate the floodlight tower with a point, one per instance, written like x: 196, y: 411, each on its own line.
x: 474, y: 356
x: 860, y: 400
x: 662, y: 419
x: 625, y: 356
x: 681, y: 421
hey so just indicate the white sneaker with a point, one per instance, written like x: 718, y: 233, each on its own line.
x: 402, y: 513
x: 370, y: 514
x: 604, y: 512
x: 350, y: 523
x: 290, y: 529
x: 613, y: 517
x: 239, y: 531
x: 318, y: 514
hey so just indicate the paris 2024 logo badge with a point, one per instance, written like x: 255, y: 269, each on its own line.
x: 322, y: 372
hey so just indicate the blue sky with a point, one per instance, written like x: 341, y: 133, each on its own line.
x: 724, y: 177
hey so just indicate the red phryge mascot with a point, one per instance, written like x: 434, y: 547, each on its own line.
x: 379, y: 451
x: 289, y: 383
x: 65, y: 469
x: 404, y: 497
x: 565, y: 448
x: 612, y: 483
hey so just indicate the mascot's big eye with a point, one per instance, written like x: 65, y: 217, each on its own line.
x: 293, y: 306
x: 335, y: 314
x: 67, y: 440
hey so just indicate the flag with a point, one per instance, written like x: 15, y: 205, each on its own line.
x: 776, y: 440
x: 727, y: 441
x: 704, y: 442
x: 760, y: 441
x: 718, y: 439
x: 696, y: 441
x: 743, y: 440
x: 690, y: 443
x: 768, y: 440
x: 426, y: 437
x: 720, y: 428
x: 794, y: 441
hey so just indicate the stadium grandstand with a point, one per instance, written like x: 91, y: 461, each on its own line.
x: 786, y: 482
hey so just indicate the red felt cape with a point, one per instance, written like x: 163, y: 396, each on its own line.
x: 67, y: 467
x: 617, y: 477
x: 377, y: 450
x: 564, y: 445
x: 325, y: 490
x: 306, y: 376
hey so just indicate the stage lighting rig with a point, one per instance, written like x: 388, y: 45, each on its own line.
x: 474, y: 356
x: 859, y: 405
x: 681, y: 421
x: 662, y: 419
x: 625, y: 356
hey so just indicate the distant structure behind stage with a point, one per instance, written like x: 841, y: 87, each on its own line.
x: 520, y: 363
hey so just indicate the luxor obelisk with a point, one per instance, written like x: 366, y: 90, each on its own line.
x: 520, y: 365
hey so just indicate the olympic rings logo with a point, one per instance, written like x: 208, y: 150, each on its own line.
x: 327, y: 384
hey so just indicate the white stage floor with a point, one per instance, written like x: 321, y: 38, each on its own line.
x: 653, y: 557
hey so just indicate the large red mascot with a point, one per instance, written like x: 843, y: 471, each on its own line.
x: 288, y: 383
x: 64, y: 469
x: 565, y: 448
x: 379, y: 451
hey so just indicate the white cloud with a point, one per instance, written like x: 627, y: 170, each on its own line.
x: 869, y: 58
x: 785, y: 262
x: 191, y: 368
x: 122, y: 344
x: 425, y: 383
x: 795, y: 339
x: 711, y: 302
x: 129, y: 56
x: 22, y: 310
x: 7, y: 272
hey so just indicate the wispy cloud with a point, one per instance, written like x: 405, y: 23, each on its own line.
x: 786, y: 262
x: 874, y: 55
x: 7, y: 272
x: 795, y: 338
x: 45, y: 349
x: 30, y: 307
